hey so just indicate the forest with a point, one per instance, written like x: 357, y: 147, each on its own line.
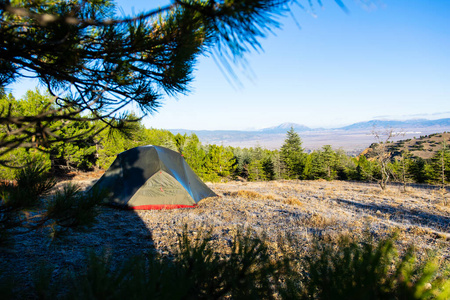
x: 382, y: 162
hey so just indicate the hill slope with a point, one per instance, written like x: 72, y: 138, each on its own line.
x: 424, y: 147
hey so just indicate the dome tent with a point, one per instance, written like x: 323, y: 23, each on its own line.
x: 152, y: 177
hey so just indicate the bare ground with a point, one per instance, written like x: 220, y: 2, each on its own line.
x: 302, y: 209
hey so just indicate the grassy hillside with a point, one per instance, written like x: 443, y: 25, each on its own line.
x: 422, y: 147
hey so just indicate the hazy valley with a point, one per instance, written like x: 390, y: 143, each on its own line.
x: 353, y: 138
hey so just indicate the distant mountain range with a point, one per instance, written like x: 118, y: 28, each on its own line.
x: 352, y: 138
x: 408, y: 124
x: 283, y: 128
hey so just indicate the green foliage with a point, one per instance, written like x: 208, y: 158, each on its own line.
x: 278, y: 165
x: 112, y: 142
x: 260, y: 165
x: 32, y: 182
x: 35, y: 143
x: 418, y: 170
x: 439, y: 169
x: 76, y: 155
x: 329, y: 164
x: 292, y: 154
x: 365, y: 169
x: 255, y: 163
x: 268, y: 168
x: 219, y: 163
x: 242, y: 157
x: 321, y: 164
x: 18, y: 198
x: 256, y: 171
x: 21, y: 157
x: 402, y: 168
x: 180, y: 141
x: 346, y: 166
x: 195, y: 155
x: 32, y: 103
x: 159, y: 137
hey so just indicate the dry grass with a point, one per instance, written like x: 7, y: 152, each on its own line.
x: 341, y: 207
x: 316, y: 220
x: 293, y: 201
x: 416, y: 230
x: 301, y: 209
x: 251, y: 195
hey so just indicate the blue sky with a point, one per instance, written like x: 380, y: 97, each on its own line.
x: 385, y: 59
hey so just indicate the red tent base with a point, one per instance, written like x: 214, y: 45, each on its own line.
x: 160, y: 207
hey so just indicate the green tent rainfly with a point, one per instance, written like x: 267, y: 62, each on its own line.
x: 152, y: 177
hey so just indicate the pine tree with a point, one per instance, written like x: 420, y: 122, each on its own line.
x: 365, y: 169
x: 292, y: 154
x: 404, y: 167
x: 194, y: 155
x: 418, y: 170
x: 440, y: 166
x: 268, y: 167
x: 58, y: 155
x: 242, y: 159
x: 279, y: 167
x: 330, y: 162
x: 219, y: 163
x: 180, y: 142
x: 256, y: 171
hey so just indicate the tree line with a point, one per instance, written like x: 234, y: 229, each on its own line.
x: 212, y: 162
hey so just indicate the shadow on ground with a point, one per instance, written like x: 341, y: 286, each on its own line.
x: 117, y: 234
x: 438, y: 222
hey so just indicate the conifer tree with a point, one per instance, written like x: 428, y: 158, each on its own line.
x: 219, y: 163
x: 404, y: 166
x: 418, y: 170
x: 330, y: 162
x: 292, y: 154
x: 268, y: 167
x: 256, y: 171
x: 194, y: 155
x: 365, y: 169
x: 58, y: 155
x: 243, y: 158
x: 439, y: 171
